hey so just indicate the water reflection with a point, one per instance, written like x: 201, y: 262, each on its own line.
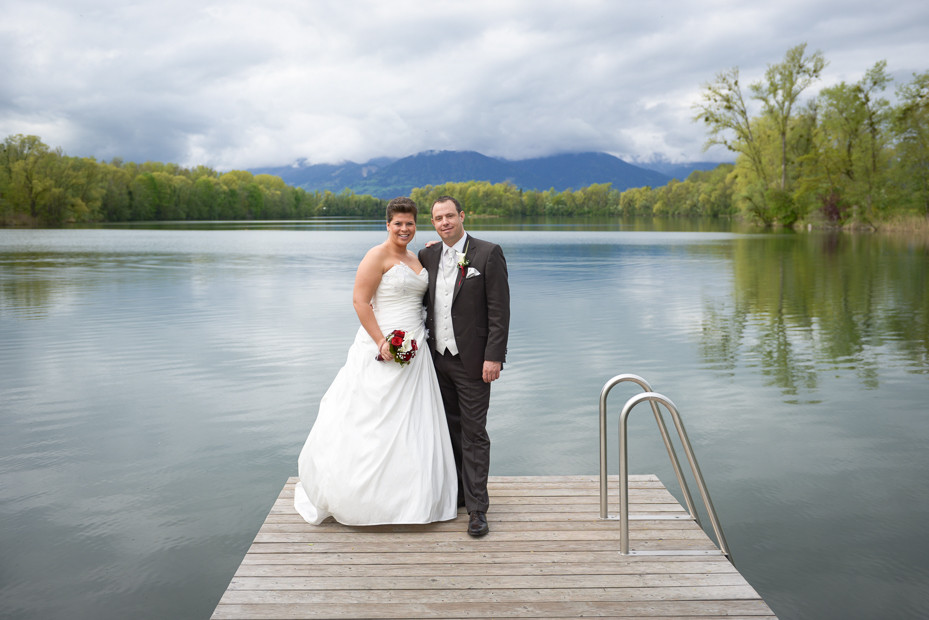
x: 804, y: 306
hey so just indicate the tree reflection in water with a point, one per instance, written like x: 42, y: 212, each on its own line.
x: 805, y: 305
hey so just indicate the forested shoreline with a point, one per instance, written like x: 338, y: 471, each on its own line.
x: 847, y: 157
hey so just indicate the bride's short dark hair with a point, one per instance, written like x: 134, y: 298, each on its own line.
x: 401, y: 204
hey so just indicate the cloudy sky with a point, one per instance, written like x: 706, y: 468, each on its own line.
x: 247, y: 83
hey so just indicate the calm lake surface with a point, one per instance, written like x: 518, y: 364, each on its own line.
x: 156, y: 386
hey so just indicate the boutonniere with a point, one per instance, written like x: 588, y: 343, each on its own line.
x: 463, y: 261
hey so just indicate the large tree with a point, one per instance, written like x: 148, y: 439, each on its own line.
x: 780, y: 91
x: 761, y: 142
x: 23, y: 160
x: 911, y: 127
x: 853, y: 138
x: 724, y: 111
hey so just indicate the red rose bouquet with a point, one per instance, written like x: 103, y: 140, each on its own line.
x: 402, y: 347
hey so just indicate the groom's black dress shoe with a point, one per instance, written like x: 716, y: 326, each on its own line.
x: 477, y: 524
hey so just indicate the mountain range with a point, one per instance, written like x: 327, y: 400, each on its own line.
x: 386, y: 178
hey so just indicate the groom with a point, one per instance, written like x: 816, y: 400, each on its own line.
x: 468, y: 318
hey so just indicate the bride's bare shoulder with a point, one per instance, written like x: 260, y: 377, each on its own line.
x: 380, y: 259
x: 374, y: 256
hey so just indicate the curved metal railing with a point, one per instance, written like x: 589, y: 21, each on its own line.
x: 654, y: 399
x: 672, y: 455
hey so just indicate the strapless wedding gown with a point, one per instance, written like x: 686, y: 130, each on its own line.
x: 379, y: 451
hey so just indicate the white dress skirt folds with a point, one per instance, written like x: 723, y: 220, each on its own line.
x: 379, y: 451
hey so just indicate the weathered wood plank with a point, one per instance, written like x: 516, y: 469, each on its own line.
x: 574, y: 478
x: 546, y: 488
x: 470, y: 582
x: 641, y: 489
x: 509, y: 491
x: 501, y: 524
x: 485, y: 558
x: 499, y: 535
x: 467, y: 546
x: 527, y: 609
x: 590, y: 508
x: 559, y: 503
x: 529, y: 513
x: 699, y: 565
x: 553, y: 504
x: 495, y: 595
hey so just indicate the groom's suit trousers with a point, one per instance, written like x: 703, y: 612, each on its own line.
x: 466, y: 403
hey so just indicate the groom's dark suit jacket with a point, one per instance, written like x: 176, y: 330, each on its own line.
x: 480, y: 306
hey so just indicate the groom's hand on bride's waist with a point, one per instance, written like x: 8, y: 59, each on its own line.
x: 491, y: 371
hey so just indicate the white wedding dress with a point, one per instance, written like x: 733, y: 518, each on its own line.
x: 379, y: 451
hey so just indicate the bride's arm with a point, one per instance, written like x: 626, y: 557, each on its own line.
x: 367, y: 279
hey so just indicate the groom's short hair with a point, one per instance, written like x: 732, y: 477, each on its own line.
x: 400, y: 204
x: 450, y: 199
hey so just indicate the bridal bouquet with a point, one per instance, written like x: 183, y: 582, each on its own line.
x: 402, y: 347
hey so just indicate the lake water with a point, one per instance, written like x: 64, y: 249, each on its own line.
x: 156, y: 386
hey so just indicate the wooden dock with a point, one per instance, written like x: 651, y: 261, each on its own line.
x: 548, y: 555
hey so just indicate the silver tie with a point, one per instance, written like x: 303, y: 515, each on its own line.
x: 450, y: 263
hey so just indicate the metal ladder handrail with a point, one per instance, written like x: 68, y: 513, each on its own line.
x: 654, y: 399
x: 672, y: 455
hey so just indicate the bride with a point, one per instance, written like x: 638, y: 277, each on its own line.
x: 379, y: 451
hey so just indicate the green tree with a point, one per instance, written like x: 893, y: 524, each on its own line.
x: 766, y: 143
x: 23, y: 163
x: 724, y: 111
x: 115, y: 202
x: 714, y: 191
x: 853, y: 140
x: 637, y: 201
x: 236, y: 183
x: 779, y: 93
x: 80, y: 185
x: 144, y: 199
x: 911, y: 130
